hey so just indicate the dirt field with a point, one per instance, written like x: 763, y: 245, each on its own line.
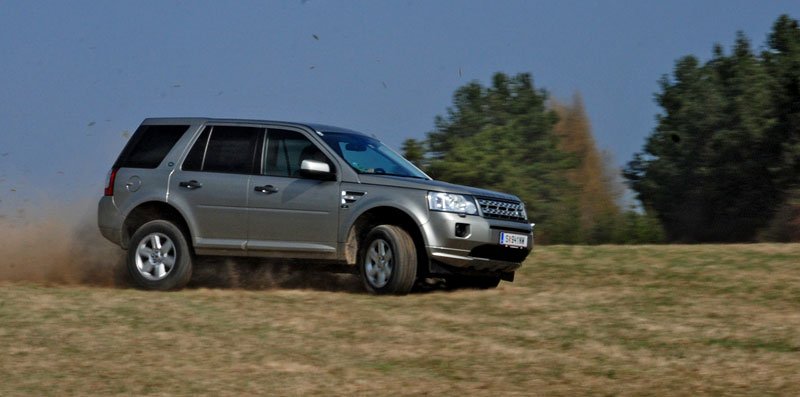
x: 652, y: 320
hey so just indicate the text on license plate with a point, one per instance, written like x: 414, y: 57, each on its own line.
x: 513, y: 240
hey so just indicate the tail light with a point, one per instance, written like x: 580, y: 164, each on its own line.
x: 112, y: 175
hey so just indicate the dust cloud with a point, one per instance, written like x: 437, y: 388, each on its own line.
x: 254, y: 274
x: 59, y: 245
x: 62, y: 245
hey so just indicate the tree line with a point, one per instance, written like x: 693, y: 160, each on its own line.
x: 512, y: 137
x: 722, y: 164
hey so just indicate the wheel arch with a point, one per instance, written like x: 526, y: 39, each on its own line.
x: 385, y: 215
x: 152, y: 210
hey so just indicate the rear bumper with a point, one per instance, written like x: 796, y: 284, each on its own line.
x: 109, y: 220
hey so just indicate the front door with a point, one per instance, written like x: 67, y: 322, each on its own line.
x: 289, y: 213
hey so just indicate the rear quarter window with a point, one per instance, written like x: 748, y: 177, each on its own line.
x: 149, y: 145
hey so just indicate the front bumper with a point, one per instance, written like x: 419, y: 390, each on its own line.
x: 478, y: 250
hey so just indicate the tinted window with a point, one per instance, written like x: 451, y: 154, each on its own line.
x: 224, y: 149
x: 286, y: 150
x: 194, y: 160
x: 149, y: 145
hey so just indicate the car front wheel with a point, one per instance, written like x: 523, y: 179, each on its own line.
x: 388, y: 260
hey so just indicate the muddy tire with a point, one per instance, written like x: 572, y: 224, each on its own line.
x: 159, y: 257
x: 472, y: 282
x: 387, y: 260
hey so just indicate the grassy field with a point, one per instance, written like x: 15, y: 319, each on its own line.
x: 608, y: 320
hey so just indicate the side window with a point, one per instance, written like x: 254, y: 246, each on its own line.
x: 285, y: 150
x: 224, y: 149
x: 149, y: 145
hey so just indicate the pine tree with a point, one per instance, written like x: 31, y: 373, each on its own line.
x: 501, y: 137
x: 705, y: 169
x: 414, y: 151
x: 595, y: 178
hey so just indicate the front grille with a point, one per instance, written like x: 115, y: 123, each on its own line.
x: 505, y: 210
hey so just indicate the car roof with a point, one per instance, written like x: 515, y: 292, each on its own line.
x: 316, y: 127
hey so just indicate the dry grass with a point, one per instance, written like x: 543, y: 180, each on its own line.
x: 608, y: 320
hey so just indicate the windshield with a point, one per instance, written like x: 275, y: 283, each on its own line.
x: 369, y: 156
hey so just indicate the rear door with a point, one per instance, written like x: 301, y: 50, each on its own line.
x: 212, y: 185
x: 290, y: 214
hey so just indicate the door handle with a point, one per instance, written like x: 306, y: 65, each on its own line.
x: 268, y: 189
x: 190, y: 184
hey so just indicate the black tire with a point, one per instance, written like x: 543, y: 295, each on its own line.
x: 472, y: 282
x: 392, y: 273
x: 159, y: 257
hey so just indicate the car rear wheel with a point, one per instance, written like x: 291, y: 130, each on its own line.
x: 388, y: 260
x: 159, y: 257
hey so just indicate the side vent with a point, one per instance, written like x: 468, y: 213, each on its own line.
x: 350, y: 197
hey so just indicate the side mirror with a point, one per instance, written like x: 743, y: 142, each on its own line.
x: 316, y: 170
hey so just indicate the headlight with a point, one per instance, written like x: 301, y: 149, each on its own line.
x: 449, y: 202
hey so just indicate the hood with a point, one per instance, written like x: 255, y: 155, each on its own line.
x: 438, y: 186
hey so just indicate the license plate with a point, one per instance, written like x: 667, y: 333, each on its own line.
x: 513, y: 240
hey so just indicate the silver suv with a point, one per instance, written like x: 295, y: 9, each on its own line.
x: 189, y: 187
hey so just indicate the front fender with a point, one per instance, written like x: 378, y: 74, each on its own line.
x: 411, y: 202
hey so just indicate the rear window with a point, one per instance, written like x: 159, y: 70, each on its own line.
x: 149, y: 145
x: 229, y: 149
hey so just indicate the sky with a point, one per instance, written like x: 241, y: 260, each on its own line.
x: 77, y: 77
